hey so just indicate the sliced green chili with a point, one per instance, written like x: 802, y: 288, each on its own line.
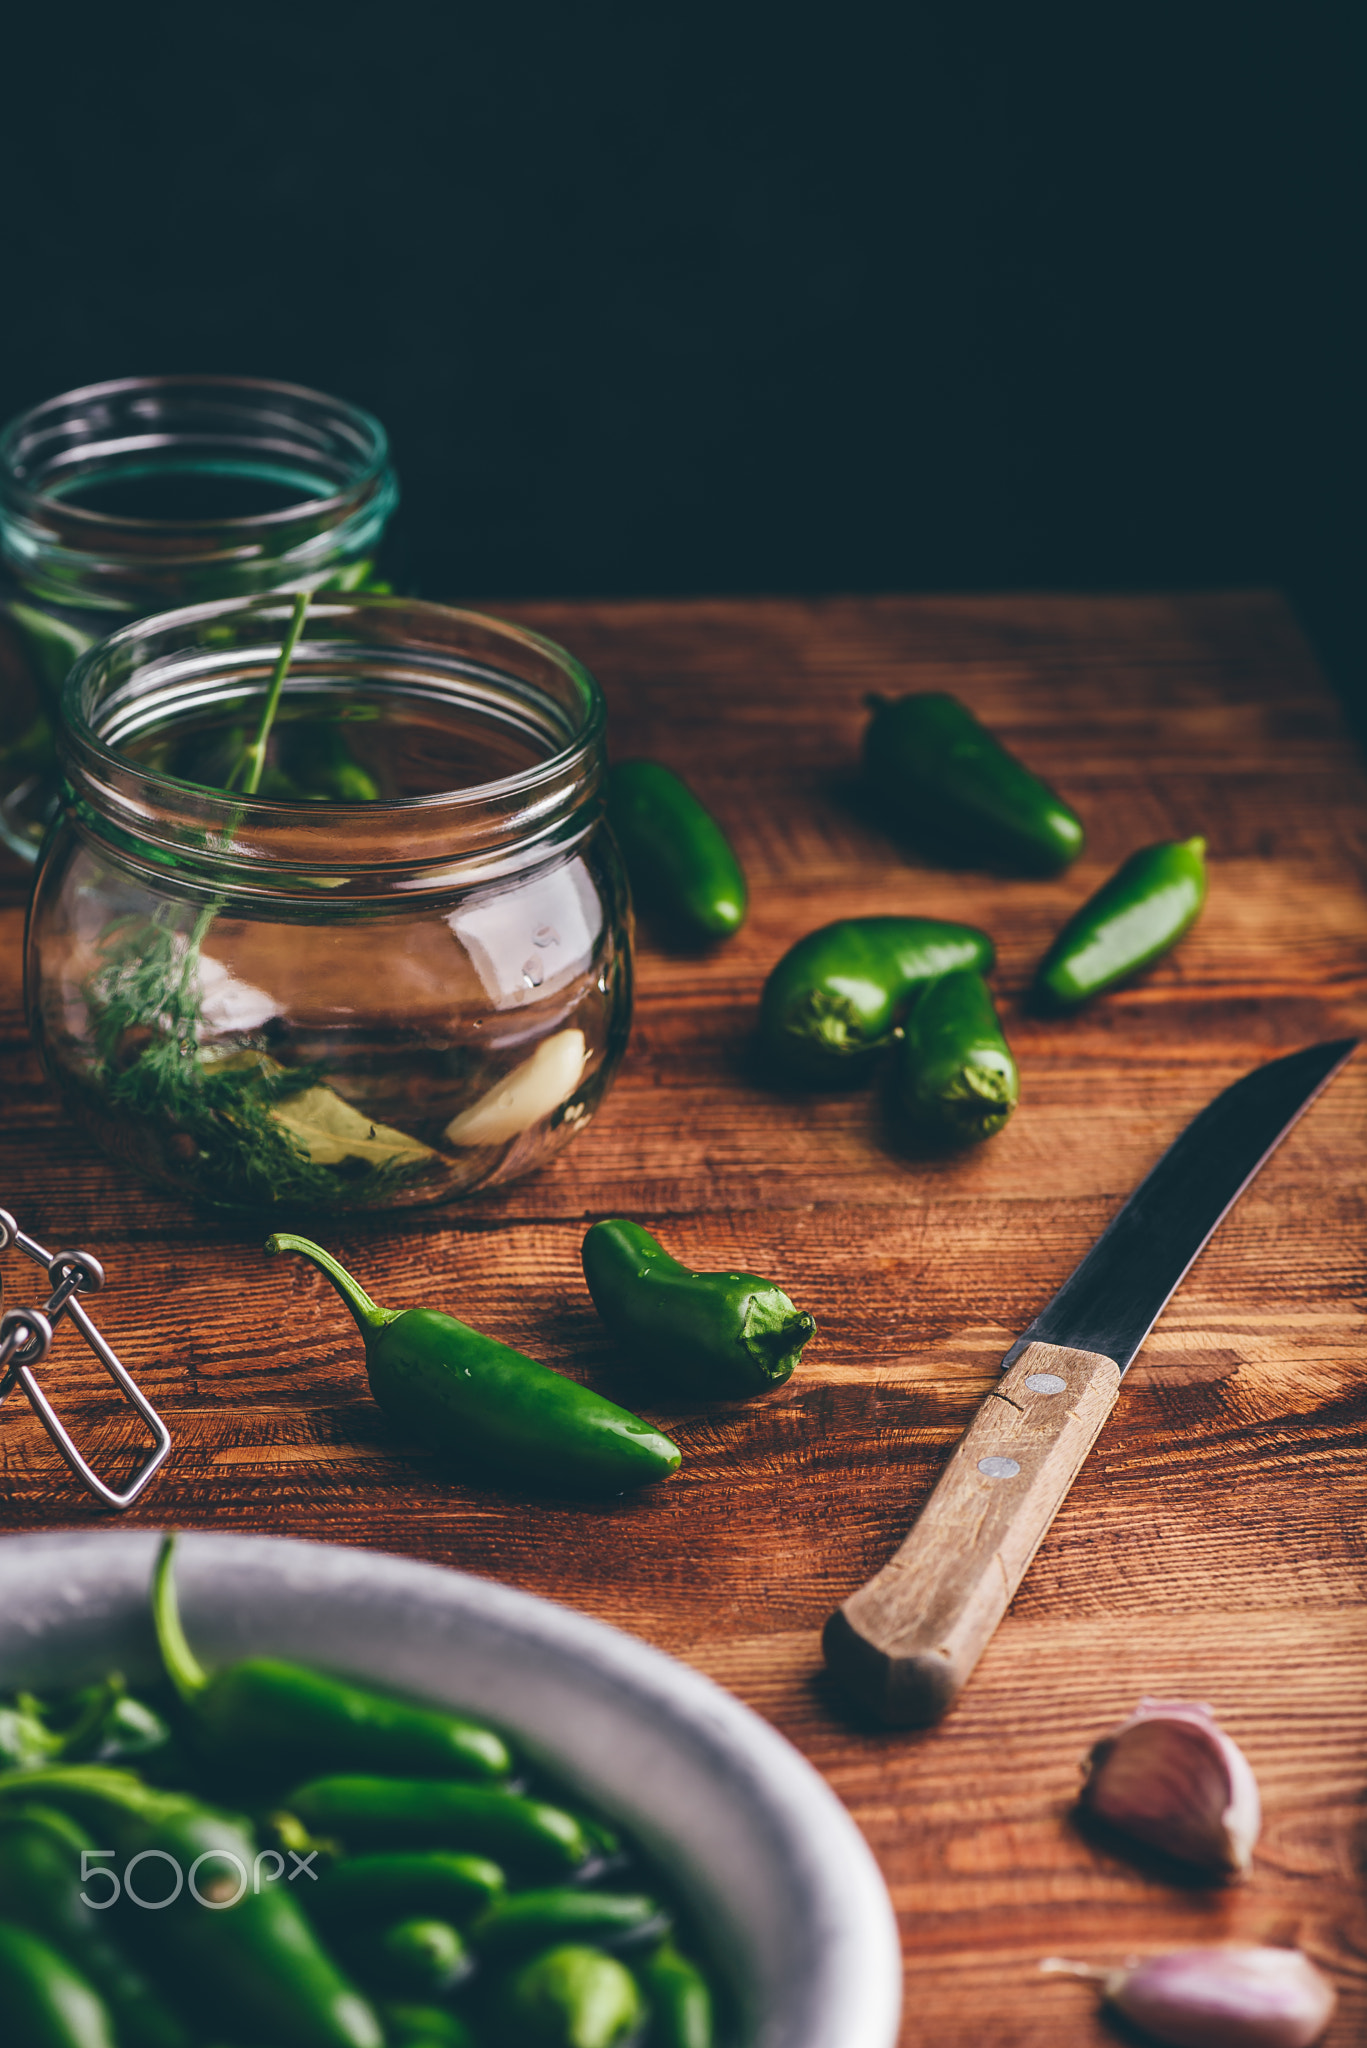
x: 489, y: 1405
x: 950, y: 785
x: 835, y: 998
x: 954, y: 1074
x: 721, y: 1333
x: 1132, y: 919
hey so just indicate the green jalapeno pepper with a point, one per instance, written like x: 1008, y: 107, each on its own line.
x: 248, y: 1963
x: 721, y: 1333
x: 569, y: 1997
x: 954, y: 1073
x: 677, y: 856
x: 283, y: 1718
x: 424, y: 2026
x: 527, y: 1922
x: 480, y: 1400
x: 441, y: 1813
x: 952, y: 787
x: 680, y: 2002
x: 418, y: 1958
x: 44, y: 2002
x: 835, y: 998
x: 1133, y: 918
x: 44, y: 1856
x: 399, y: 1886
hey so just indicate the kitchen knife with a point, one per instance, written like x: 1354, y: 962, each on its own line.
x: 904, y: 1644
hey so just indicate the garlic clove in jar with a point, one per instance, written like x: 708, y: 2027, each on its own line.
x: 522, y: 1098
x: 1172, y: 1778
x: 1219, y: 1997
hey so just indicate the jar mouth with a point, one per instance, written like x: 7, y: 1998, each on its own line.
x: 394, y: 659
x: 299, y: 481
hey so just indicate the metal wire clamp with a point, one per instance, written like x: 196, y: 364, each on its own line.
x: 26, y: 1338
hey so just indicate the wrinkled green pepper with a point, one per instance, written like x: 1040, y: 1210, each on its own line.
x: 832, y: 1003
x: 954, y: 1074
x: 249, y: 1965
x: 527, y: 1922
x: 282, y: 1718
x: 569, y: 1997
x: 951, y: 786
x: 1132, y: 919
x: 44, y: 2002
x: 415, y: 1813
x: 721, y: 1333
x: 489, y: 1405
x: 42, y: 1876
x: 680, y: 2002
x: 678, y: 859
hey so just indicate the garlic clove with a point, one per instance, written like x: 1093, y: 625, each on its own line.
x: 522, y: 1098
x: 1225, y: 1998
x: 1172, y: 1778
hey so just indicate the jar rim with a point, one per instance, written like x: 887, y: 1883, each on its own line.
x: 13, y: 486
x: 246, y: 426
x: 441, y: 839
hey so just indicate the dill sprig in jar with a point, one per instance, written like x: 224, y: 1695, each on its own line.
x: 129, y: 498
x: 399, y: 972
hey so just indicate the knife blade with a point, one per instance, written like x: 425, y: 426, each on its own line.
x: 906, y: 1642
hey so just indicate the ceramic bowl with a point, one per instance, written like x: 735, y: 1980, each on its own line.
x: 787, y: 1896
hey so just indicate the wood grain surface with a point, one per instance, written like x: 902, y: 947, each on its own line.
x: 1213, y: 1545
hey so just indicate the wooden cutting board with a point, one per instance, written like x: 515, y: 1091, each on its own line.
x: 1214, y: 1546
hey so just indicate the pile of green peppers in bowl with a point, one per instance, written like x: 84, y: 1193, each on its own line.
x: 285, y: 1860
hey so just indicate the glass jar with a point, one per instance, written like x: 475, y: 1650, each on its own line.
x: 286, y: 1000
x: 130, y: 498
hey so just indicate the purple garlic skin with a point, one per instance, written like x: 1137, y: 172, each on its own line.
x: 1226, y: 1998
x: 1172, y: 1778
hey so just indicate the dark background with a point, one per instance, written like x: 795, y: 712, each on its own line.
x: 673, y: 299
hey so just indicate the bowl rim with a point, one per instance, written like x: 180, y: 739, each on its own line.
x: 847, y: 1992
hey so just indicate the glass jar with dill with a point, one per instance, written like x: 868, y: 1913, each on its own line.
x: 331, y: 919
x: 128, y: 498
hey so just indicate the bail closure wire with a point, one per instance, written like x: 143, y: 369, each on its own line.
x: 26, y: 1336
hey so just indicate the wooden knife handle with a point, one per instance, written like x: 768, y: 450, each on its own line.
x: 905, y: 1643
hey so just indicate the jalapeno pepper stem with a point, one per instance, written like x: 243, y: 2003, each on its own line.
x: 367, y: 1314
x: 179, y: 1661
x: 778, y: 1344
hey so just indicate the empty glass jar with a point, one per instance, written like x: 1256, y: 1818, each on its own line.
x: 128, y: 498
x: 400, y: 972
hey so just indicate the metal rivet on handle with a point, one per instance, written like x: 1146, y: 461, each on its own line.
x: 1046, y: 1383
x: 998, y: 1468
